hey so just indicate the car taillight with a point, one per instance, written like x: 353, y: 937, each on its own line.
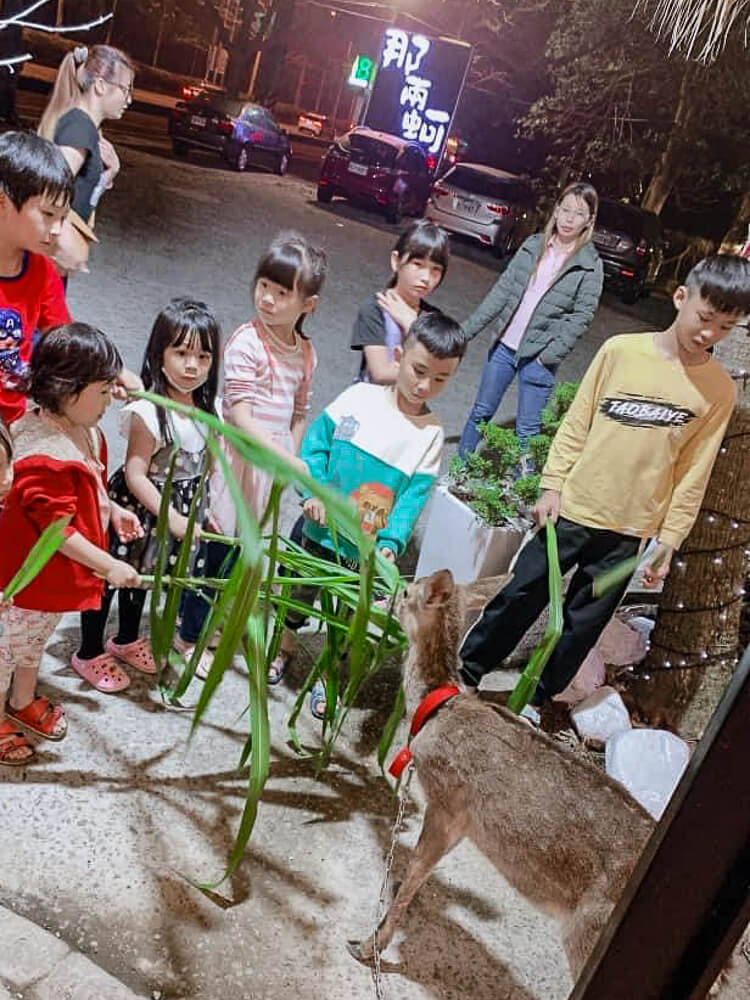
x: 499, y: 209
x: 226, y: 127
x: 642, y: 248
x: 431, y: 161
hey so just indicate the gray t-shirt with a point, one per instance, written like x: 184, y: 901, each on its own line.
x: 76, y: 129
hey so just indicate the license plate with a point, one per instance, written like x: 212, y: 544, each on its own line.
x: 358, y: 168
x: 466, y: 206
x: 198, y: 121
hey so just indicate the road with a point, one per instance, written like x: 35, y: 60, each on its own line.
x: 146, y: 129
x: 99, y: 834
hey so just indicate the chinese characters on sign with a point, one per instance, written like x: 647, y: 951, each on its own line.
x: 425, y: 124
x: 417, y: 87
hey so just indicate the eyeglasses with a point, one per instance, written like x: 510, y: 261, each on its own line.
x: 126, y: 88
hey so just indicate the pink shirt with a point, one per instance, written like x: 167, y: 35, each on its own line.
x: 553, y: 259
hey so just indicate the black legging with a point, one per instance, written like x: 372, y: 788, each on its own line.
x: 93, y: 623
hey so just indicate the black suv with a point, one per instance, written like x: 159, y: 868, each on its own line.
x: 244, y: 134
x: 631, y: 245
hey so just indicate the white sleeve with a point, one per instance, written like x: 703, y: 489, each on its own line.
x: 146, y: 411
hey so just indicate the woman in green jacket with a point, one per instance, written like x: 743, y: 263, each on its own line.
x: 539, y: 306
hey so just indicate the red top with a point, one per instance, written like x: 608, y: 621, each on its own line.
x: 48, y: 484
x: 32, y: 300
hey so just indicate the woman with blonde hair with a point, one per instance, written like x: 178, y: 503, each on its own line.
x: 92, y: 85
x: 540, y: 305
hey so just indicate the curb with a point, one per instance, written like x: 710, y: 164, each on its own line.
x: 37, y: 965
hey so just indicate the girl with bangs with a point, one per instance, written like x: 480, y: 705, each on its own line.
x: 181, y: 362
x: 268, y: 369
x: 419, y: 262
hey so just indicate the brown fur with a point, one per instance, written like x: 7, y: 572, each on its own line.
x: 562, y: 833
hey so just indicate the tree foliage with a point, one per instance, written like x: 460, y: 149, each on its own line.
x: 618, y: 108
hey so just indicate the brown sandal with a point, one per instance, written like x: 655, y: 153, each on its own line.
x: 40, y: 717
x: 11, y: 739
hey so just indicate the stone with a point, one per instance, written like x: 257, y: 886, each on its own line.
x: 620, y: 645
x: 600, y: 717
x: 590, y: 677
x: 77, y: 978
x: 27, y: 952
x: 649, y: 763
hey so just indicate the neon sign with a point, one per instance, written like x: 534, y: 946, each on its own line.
x: 417, y: 87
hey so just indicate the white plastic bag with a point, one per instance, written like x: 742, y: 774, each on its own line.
x: 600, y: 716
x: 649, y: 763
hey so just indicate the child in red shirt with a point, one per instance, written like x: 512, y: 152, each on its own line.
x: 36, y: 187
x: 59, y: 470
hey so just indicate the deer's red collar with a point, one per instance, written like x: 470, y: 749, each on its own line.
x: 429, y: 704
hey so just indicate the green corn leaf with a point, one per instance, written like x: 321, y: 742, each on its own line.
x: 391, y: 728
x: 529, y: 679
x: 160, y: 638
x: 48, y: 543
x: 613, y: 577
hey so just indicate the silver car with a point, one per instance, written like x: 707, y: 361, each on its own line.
x: 490, y: 205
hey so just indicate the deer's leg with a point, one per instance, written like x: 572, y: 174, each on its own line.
x: 440, y: 832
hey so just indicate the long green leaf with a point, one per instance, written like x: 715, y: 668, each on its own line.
x: 48, y: 543
x: 613, y: 577
x: 529, y: 679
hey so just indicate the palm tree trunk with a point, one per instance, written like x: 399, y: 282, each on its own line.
x: 694, y: 646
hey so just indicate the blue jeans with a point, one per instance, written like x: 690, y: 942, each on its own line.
x: 535, y: 384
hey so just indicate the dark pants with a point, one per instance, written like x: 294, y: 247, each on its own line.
x: 130, y: 603
x: 195, y: 605
x: 305, y: 593
x: 512, y: 611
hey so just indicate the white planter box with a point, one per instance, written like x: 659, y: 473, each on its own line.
x: 456, y: 539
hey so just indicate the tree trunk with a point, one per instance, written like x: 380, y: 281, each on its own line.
x: 738, y: 230
x: 111, y: 22
x: 241, y: 53
x: 159, y: 35
x: 700, y: 609
x: 274, y: 59
x: 670, y: 161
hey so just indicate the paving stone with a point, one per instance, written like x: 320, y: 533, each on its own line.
x: 77, y: 978
x: 27, y: 952
x: 4, y: 995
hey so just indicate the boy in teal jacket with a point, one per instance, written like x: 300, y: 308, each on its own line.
x: 380, y: 446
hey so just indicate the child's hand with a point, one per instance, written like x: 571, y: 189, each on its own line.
x: 547, y: 506
x: 126, y: 382
x: 395, y: 306
x: 389, y: 554
x: 126, y: 525
x: 178, y: 525
x: 120, y: 574
x: 315, y: 510
x: 656, y: 569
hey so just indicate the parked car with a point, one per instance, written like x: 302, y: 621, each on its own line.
x: 484, y: 203
x: 631, y: 243
x: 244, y: 134
x: 378, y: 169
x: 312, y: 123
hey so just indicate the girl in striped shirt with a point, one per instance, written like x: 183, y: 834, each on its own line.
x: 268, y: 367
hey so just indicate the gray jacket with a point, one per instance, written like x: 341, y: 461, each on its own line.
x: 563, y: 313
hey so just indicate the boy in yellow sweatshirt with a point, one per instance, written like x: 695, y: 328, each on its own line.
x: 630, y: 462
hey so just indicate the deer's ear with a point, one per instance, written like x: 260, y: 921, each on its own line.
x: 438, y: 588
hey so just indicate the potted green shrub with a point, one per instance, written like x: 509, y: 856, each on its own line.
x: 479, y: 515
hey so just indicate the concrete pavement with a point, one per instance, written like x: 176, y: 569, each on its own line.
x: 101, y: 835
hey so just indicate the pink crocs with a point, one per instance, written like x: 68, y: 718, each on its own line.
x: 102, y: 673
x: 136, y: 654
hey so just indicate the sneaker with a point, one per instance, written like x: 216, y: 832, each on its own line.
x: 186, y: 650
